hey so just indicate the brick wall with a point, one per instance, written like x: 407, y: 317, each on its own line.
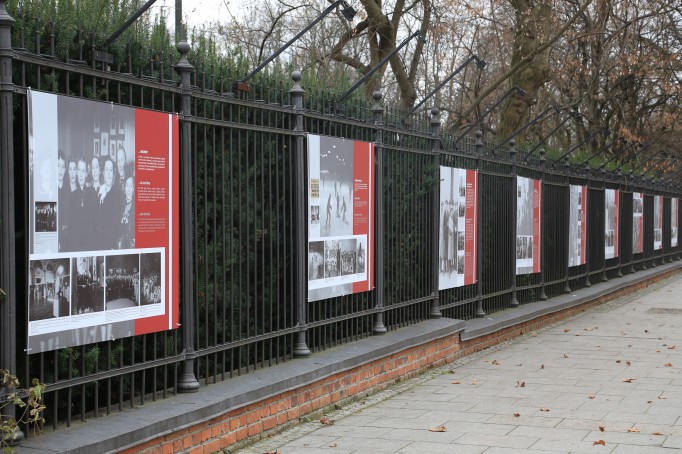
x: 243, y: 425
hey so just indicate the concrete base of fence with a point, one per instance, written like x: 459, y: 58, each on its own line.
x: 249, y: 407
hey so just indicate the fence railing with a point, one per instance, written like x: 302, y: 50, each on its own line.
x: 243, y: 286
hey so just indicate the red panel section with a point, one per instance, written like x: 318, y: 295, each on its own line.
x: 157, y: 205
x: 363, y: 206
x: 537, y: 223
x: 470, y: 219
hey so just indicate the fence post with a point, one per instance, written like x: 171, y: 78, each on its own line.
x: 512, y: 155
x: 567, y: 212
x: 187, y: 382
x: 543, y: 164
x: 479, y: 229
x: 8, y: 294
x: 435, y: 212
x: 587, y: 232
x: 378, y: 111
x: 620, y: 223
x: 300, y: 257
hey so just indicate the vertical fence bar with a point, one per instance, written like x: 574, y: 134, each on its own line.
x: 512, y: 155
x: 604, y: 277
x: 187, y: 381
x: 589, y: 214
x: 300, y: 257
x: 379, y: 236
x: 8, y: 293
x: 435, y: 212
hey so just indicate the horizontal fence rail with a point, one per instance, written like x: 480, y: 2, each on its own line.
x: 244, y: 304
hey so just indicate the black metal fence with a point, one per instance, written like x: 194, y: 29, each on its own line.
x: 244, y: 286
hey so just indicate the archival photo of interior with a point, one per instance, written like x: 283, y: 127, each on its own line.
x: 49, y: 289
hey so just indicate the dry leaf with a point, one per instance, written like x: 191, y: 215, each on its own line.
x: 544, y: 409
x: 326, y: 421
x: 629, y: 380
x: 668, y: 364
x: 628, y: 363
x: 599, y: 442
x: 455, y: 383
x: 650, y: 401
x: 657, y: 433
x: 566, y: 330
x: 617, y: 361
x: 438, y: 429
x: 602, y: 428
x: 591, y: 396
x: 520, y: 384
x: 475, y: 382
x: 658, y: 351
x: 565, y: 355
x: 662, y: 398
x: 277, y: 451
x: 633, y: 430
x: 542, y: 366
x: 496, y: 362
x: 517, y: 414
x: 333, y: 445
x: 672, y: 347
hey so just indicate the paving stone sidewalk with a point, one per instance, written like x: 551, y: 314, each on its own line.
x: 607, y: 380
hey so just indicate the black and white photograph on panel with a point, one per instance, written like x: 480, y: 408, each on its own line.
x: 49, y: 289
x: 658, y: 227
x: 332, y: 258
x: 361, y: 254
x: 336, y: 186
x: 87, y: 295
x: 348, y: 256
x: 150, y: 277
x: 316, y: 260
x: 123, y: 281
x: 46, y: 217
x: 100, y: 184
x: 314, y: 214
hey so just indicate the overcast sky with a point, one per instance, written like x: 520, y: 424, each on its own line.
x: 198, y: 12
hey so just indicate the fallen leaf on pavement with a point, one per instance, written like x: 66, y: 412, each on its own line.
x: 542, y: 366
x: 628, y: 363
x: 475, y: 382
x: 565, y: 355
x: 438, y: 429
x: 599, y: 442
x: 517, y: 414
x: 672, y: 347
x: 662, y: 398
x: 591, y: 396
x: 617, y: 361
x: 668, y: 364
x: 629, y: 380
x: 274, y: 452
x: 333, y: 445
x: 326, y: 421
x: 602, y: 428
x: 544, y: 409
x: 520, y: 384
x: 657, y: 433
x: 566, y: 330
x: 496, y: 362
x: 455, y: 383
x: 633, y: 430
